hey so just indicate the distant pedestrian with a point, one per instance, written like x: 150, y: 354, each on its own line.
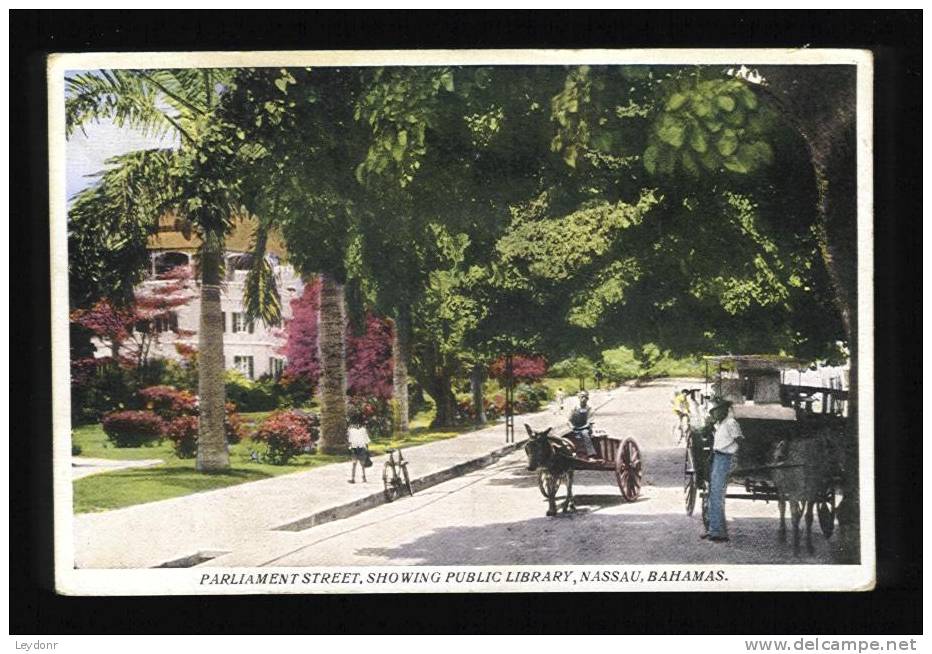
x: 560, y: 397
x: 358, y: 438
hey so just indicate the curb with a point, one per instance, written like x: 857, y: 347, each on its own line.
x: 349, y: 509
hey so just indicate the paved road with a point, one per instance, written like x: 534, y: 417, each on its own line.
x: 497, y: 516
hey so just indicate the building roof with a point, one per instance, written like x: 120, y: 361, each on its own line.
x: 240, y: 239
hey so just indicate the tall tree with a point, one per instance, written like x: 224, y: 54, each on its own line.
x: 450, y: 149
x: 180, y: 102
x: 299, y: 126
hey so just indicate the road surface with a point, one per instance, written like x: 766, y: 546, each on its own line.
x: 496, y: 515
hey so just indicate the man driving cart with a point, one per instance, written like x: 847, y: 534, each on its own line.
x: 581, y: 424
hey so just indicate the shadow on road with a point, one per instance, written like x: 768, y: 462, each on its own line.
x: 661, y: 468
x: 595, y: 538
x: 664, y: 468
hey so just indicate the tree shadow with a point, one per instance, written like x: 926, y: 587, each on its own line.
x: 664, y: 468
x: 588, y: 538
x: 660, y: 468
x: 185, y: 478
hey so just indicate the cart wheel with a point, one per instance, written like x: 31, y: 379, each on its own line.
x: 628, y: 469
x: 543, y: 477
x: 388, y: 481
x: 826, y: 511
x: 689, y: 481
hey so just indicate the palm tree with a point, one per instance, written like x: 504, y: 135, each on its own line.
x: 332, y: 365
x: 180, y: 103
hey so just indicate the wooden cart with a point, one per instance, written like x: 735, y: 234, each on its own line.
x: 792, y: 447
x: 619, y: 456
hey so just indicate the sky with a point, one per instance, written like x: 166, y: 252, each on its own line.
x: 85, y: 155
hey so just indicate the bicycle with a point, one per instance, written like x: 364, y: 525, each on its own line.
x: 395, y: 484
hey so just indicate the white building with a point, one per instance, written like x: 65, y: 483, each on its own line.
x: 254, y: 350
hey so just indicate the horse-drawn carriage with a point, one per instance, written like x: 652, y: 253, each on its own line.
x: 555, y: 458
x: 792, y: 451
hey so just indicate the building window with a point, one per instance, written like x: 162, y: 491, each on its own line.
x: 276, y: 367
x: 166, y: 262
x: 167, y: 322
x: 245, y: 365
x: 241, y: 263
x: 240, y: 324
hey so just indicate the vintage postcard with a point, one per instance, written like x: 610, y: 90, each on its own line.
x: 462, y: 321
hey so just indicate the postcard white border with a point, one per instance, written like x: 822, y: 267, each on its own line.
x: 71, y: 581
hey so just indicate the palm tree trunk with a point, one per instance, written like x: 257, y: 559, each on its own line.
x: 332, y: 345
x: 212, y: 453
x: 400, y: 351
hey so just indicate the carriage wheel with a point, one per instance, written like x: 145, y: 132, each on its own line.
x: 689, y: 483
x: 825, y: 508
x: 543, y: 477
x: 542, y: 481
x: 628, y: 469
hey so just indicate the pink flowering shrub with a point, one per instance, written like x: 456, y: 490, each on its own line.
x: 182, y: 432
x: 287, y: 434
x: 132, y: 428
x: 168, y: 402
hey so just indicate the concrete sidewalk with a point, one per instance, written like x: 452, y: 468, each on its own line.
x: 83, y: 466
x: 188, y: 530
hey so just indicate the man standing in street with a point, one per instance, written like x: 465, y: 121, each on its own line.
x: 724, y: 446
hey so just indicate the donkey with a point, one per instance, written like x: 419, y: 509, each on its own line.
x: 553, y: 456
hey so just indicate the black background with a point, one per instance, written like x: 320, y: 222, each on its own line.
x: 894, y: 607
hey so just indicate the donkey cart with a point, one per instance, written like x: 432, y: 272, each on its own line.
x: 556, y: 459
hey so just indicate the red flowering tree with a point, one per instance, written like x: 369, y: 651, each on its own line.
x: 368, y: 356
x: 111, y: 324
x: 524, y: 368
x: 301, y: 335
x: 155, y: 311
x: 369, y: 360
x: 130, y: 332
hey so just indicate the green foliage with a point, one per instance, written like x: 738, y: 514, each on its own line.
x: 110, y: 388
x: 108, y: 224
x: 574, y: 367
x: 399, y: 106
x: 709, y: 125
x: 249, y: 395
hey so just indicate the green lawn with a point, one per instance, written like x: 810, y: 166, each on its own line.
x: 177, y: 477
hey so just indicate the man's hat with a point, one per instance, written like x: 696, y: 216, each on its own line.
x: 583, y: 394
x: 719, y: 403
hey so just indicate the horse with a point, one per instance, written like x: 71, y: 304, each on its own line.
x: 806, y: 481
x: 554, y: 457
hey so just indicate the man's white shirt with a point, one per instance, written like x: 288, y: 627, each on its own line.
x: 727, y: 433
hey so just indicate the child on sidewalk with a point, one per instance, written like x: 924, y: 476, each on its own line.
x: 359, y: 441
